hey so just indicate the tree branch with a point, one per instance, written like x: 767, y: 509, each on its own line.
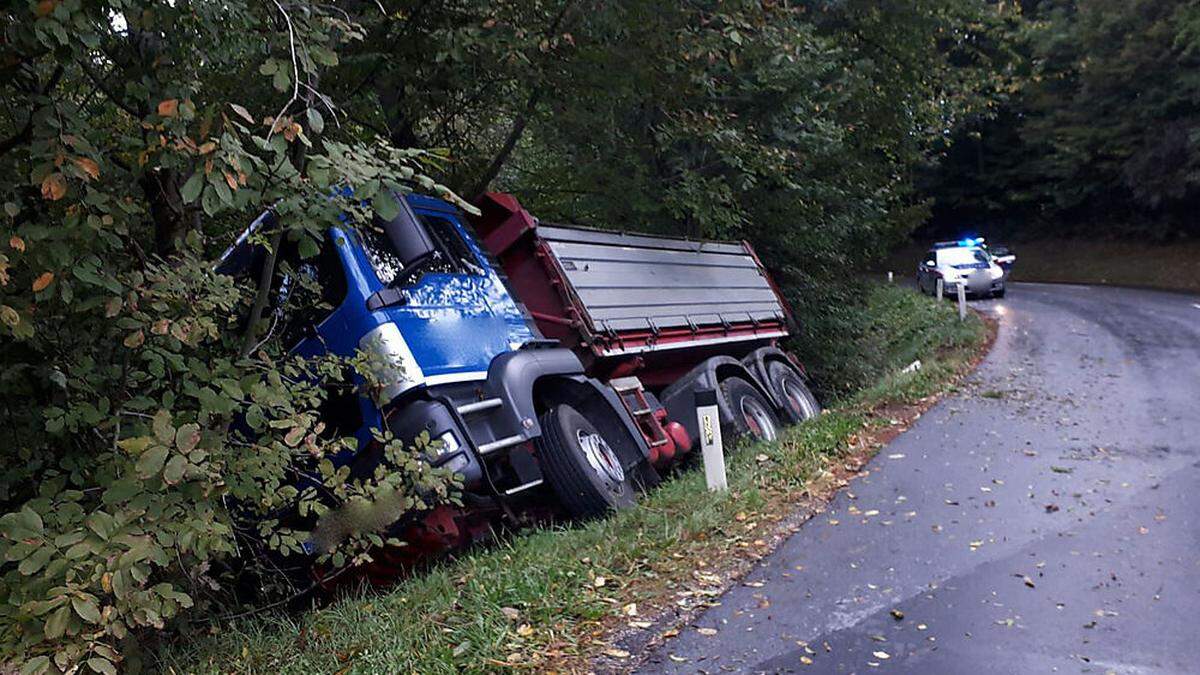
x: 26, y: 132
x: 510, y: 142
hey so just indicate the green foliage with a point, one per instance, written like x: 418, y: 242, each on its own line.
x: 1099, y: 132
x: 795, y: 126
x: 151, y: 436
x: 882, y: 328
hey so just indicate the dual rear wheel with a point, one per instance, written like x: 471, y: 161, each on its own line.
x: 586, y: 474
x: 754, y: 416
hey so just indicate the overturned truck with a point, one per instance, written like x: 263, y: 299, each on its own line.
x: 556, y: 366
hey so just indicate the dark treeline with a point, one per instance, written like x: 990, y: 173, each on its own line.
x: 1099, y: 135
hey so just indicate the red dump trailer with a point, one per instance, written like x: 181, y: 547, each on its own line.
x: 658, y: 319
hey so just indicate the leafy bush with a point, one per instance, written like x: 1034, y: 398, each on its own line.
x: 154, y: 437
x: 856, y: 332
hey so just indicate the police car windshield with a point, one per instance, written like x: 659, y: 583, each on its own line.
x: 961, y: 255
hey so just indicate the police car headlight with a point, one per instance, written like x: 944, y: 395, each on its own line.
x: 390, y: 364
x: 997, y: 272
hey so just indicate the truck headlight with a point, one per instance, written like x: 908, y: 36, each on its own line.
x: 390, y: 364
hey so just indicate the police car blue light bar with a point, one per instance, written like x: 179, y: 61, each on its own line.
x: 961, y: 243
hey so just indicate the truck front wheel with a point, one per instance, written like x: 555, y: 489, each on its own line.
x: 580, y: 466
x: 750, y: 410
x: 798, y: 402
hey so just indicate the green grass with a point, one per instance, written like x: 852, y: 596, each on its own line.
x: 459, y: 616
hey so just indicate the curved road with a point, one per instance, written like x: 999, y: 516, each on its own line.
x: 1045, y: 518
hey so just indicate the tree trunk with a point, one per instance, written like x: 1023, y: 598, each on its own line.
x: 172, y: 219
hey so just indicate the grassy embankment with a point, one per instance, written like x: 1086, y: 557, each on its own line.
x: 1119, y: 263
x: 552, y: 597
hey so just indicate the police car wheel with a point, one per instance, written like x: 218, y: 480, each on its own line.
x: 752, y: 413
x: 582, y: 469
x: 799, y: 404
x: 999, y: 293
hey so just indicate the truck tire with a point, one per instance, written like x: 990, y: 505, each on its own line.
x: 751, y: 411
x: 579, y: 465
x: 798, y: 402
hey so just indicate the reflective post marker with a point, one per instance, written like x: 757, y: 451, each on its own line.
x: 708, y: 420
x: 962, y: 302
x: 941, y: 288
x: 889, y: 277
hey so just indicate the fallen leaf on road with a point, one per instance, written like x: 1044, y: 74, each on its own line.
x: 706, y: 631
x: 881, y: 655
x: 897, y: 614
x: 617, y: 653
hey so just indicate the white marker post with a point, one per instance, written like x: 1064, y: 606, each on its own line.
x: 962, y: 301
x: 941, y: 289
x: 889, y: 277
x: 708, y: 420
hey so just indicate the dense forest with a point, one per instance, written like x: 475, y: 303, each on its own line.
x: 1098, y: 135
x: 138, y: 138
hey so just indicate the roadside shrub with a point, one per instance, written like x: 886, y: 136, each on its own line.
x: 156, y: 439
x: 856, y: 331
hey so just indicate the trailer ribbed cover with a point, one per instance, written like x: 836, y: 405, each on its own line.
x: 630, y: 282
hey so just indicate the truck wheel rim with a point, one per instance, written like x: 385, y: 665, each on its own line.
x: 797, y: 399
x: 757, y: 418
x: 601, y: 457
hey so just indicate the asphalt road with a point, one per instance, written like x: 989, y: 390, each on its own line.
x: 1046, y: 518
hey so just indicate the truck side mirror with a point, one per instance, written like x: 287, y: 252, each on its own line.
x: 408, y: 236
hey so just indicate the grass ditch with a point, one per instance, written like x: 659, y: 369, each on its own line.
x: 592, y: 595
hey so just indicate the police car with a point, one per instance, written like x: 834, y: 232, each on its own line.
x: 965, y: 262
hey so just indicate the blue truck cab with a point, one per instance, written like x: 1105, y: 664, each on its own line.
x: 453, y: 354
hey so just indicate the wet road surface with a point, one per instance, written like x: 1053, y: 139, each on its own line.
x: 1045, y: 518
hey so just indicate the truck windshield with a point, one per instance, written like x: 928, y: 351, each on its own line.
x: 447, y: 253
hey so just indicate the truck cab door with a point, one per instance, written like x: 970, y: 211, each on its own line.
x: 457, y: 314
